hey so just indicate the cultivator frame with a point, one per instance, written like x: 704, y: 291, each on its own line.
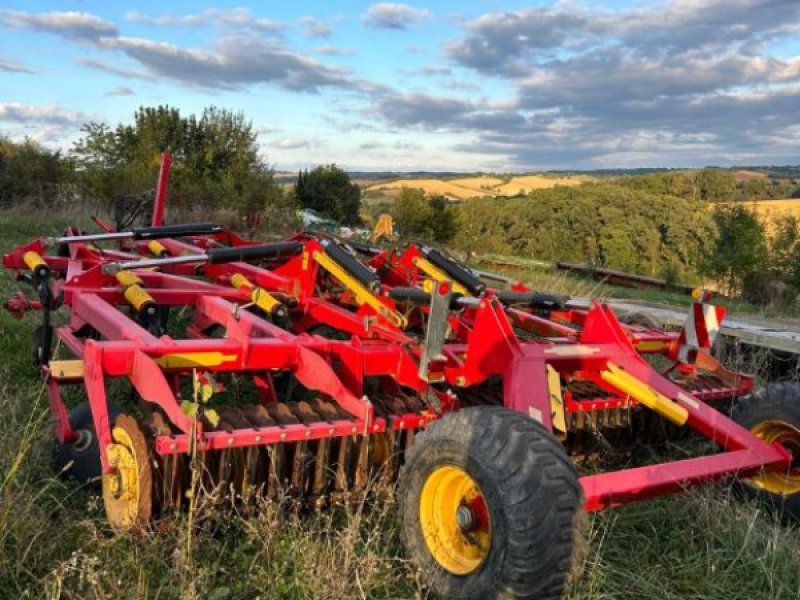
x: 603, y: 352
x: 417, y: 336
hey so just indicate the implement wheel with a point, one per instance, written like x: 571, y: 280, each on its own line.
x: 128, y: 489
x: 773, y: 414
x: 488, y: 503
x: 80, y: 460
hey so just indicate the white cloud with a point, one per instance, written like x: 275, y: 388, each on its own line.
x: 12, y: 66
x: 290, y: 143
x: 234, y: 62
x: 334, y: 51
x: 314, y: 28
x: 79, y: 26
x: 120, y: 91
x: 389, y: 15
x: 238, y: 17
x: 16, y: 112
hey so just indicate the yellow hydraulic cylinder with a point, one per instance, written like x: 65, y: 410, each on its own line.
x: 133, y: 291
x: 156, y: 248
x: 36, y: 263
x: 259, y: 296
x: 644, y: 394
x: 128, y: 278
x: 361, y: 294
x: 138, y: 297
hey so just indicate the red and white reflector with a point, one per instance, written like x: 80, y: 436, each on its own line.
x: 700, y: 330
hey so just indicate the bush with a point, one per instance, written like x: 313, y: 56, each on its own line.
x: 329, y: 191
x: 427, y: 218
x: 28, y: 173
x: 740, y: 250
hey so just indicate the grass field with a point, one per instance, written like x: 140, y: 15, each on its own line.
x: 474, y: 187
x: 770, y: 211
x: 54, y: 543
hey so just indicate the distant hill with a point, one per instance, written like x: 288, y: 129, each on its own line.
x: 367, y: 178
x: 463, y: 188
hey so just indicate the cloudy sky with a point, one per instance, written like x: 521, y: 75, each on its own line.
x: 481, y: 85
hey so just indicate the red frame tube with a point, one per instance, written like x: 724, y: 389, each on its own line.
x: 161, y: 190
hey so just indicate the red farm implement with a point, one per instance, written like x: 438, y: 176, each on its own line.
x: 304, y: 369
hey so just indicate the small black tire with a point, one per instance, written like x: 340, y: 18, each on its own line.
x: 773, y: 403
x: 80, y: 460
x: 531, y: 494
x: 642, y: 319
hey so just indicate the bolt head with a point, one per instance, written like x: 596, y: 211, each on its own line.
x: 466, y: 519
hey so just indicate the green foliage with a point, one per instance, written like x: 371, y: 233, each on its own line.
x: 418, y: 216
x: 756, y: 189
x: 329, y: 191
x: 711, y: 185
x: 740, y: 250
x: 716, y: 185
x: 784, y: 247
x: 604, y: 224
x: 767, y: 189
x: 669, y: 183
x: 216, y: 164
x: 28, y: 173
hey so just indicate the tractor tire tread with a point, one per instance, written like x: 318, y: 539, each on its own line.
x: 530, y: 485
x: 773, y: 401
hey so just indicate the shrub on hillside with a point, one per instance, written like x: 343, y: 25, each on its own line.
x: 599, y: 223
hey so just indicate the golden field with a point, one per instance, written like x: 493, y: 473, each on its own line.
x: 770, y: 211
x: 478, y: 186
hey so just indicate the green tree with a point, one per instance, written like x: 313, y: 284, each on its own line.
x: 216, y: 161
x: 29, y: 173
x: 329, y: 191
x: 418, y: 216
x: 740, y: 250
x: 716, y: 185
x: 756, y: 189
x: 444, y: 223
x: 669, y: 183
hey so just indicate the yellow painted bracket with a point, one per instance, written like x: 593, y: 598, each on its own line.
x: 557, y: 414
x: 183, y: 360
x: 66, y: 369
x: 424, y: 265
x: 361, y: 293
x: 259, y: 296
x: 644, y: 394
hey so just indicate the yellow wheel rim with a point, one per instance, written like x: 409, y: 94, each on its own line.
x: 126, y: 489
x: 780, y: 482
x: 455, y: 521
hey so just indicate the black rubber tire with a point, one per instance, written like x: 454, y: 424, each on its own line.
x: 532, y: 494
x: 641, y: 319
x: 81, y: 460
x: 776, y: 401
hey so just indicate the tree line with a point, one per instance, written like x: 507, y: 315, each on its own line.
x: 678, y: 225
x: 217, y: 166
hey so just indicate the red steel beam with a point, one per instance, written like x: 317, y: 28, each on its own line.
x: 161, y: 190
